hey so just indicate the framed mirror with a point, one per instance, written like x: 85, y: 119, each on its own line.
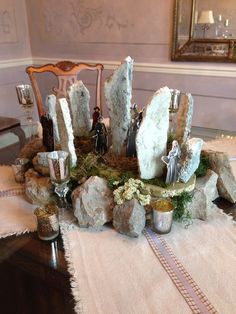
x: 204, y: 30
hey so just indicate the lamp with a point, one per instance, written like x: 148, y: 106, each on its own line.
x: 206, y: 18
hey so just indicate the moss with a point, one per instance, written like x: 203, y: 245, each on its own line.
x: 155, y: 181
x: 119, y: 179
x: 203, y: 166
x: 181, y: 212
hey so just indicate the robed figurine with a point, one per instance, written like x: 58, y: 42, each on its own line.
x: 101, y: 145
x: 172, y: 163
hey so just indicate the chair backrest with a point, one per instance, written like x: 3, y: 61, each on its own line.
x: 66, y: 73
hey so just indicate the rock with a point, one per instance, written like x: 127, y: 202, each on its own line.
x: 38, y: 189
x: 51, y: 104
x: 151, y: 139
x: 66, y: 131
x: 118, y: 93
x: 79, y: 105
x: 31, y: 148
x: 172, y: 190
x: 184, y: 119
x: 226, y: 184
x: 39, y: 167
x: 190, y: 158
x: 202, y: 206
x: 93, y: 203
x: 129, y: 218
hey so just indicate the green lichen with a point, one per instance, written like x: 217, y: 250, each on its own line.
x: 203, y: 165
x: 181, y: 213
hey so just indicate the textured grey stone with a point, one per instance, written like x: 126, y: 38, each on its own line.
x: 184, y: 119
x: 129, y: 218
x: 66, y: 131
x: 51, y: 104
x: 190, y: 158
x: 118, y: 93
x: 151, y: 139
x: 205, y: 192
x: 226, y: 184
x: 93, y: 203
x: 79, y: 105
x: 38, y: 189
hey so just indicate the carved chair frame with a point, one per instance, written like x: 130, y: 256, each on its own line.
x: 66, y: 73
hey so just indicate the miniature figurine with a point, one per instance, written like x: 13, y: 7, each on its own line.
x: 172, y: 162
x: 96, y: 115
x: 101, y: 137
x: 132, y: 131
x: 48, y: 136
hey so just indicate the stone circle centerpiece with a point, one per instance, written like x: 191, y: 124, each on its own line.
x: 147, y: 172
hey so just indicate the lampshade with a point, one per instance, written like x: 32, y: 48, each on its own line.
x: 206, y: 17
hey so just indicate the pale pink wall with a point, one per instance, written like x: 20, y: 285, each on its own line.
x: 14, y: 46
x: 104, y: 29
x: 111, y: 30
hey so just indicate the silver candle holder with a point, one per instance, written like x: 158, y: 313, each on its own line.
x: 59, y: 168
x: 26, y: 100
x: 163, y: 210
x: 47, y: 222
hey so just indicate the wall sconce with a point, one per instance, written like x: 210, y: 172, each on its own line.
x: 206, y: 18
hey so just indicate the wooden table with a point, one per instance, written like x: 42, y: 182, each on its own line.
x: 34, y: 276
x: 12, y: 125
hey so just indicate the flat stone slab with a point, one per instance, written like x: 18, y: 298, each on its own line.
x: 79, y: 107
x: 226, y: 183
x: 151, y: 138
x: 205, y: 192
x: 118, y: 94
x: 172, y: 190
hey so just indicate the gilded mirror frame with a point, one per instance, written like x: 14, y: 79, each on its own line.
x: 199, y: 49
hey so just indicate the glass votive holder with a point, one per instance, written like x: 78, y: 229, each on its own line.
x: 47, y: 221
x: 163, y: 210
x: 20, y: 166
x: 58, y: 162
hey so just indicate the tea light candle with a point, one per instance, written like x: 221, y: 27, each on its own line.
x: 47, y: 222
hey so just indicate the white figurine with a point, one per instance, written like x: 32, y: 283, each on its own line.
x: 172, y: 162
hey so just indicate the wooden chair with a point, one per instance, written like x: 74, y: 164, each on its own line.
x: 66, y: 73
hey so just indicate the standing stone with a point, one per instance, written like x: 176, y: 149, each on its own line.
x: 190, y: 158
x: 205, y: 192
x: 79, y: 105
x: 129, y: 218
x: 93, y: 203
x: 66, y: 131
x: 226, y: 184
x: 184, y: 119
x: 118, y: 93
x: 151, y: 139
x: 51, y: 105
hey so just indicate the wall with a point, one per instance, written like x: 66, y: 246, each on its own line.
x: 15, y: 54
x: 107, y: 31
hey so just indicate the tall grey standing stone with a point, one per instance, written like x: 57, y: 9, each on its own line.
x: 51, y: 105
x: 93, y: 203
x: 118, y: 93
x: 190, y: 158
x: 226, y: 184
x: 129, y: 218
x: 66, y: 131
x: 184, y: 119
x: 151, y: 139
x: 79, y: 105
x: 205, y: 192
